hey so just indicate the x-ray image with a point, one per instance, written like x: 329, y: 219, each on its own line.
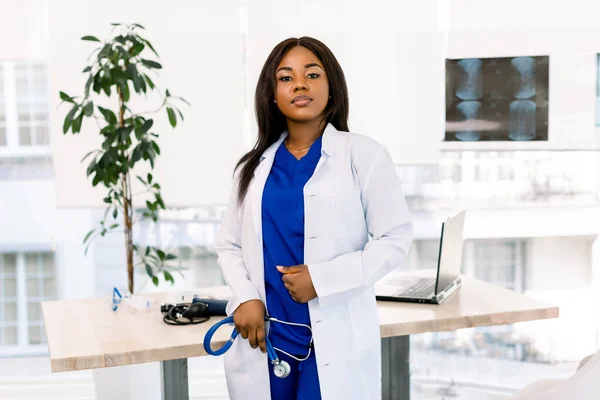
x: 497, y: 99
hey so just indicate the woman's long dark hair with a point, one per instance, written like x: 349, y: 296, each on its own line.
x: 271, y: 122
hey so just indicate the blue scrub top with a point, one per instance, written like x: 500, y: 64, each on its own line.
x: 283, y: 243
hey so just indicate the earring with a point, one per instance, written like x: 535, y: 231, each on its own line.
x: 274, y: 101
x: 329, y: 96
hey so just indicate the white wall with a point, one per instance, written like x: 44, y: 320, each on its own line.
x: 201, y: 51
x: 565, y: 31
x: 23, y: 30
x: 27, y: 215
x: 376, y: 45
x: 392, y: 53
x: 558, y: 263
x: 513, y: 222
x: 393, y: 56
x: 558, y: 271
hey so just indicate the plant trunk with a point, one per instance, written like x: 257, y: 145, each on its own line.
x: 128, y: 232
x: 127, y: 206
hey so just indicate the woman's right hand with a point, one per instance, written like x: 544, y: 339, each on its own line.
x: 249, y: 320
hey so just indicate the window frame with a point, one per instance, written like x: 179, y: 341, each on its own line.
x: 23, y: 347
x: 13, y: 147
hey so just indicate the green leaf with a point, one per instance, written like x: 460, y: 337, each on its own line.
x: 125, y: 91
x: 66, y: 97
x: 169, y: 277
x: 149, y: 179
x: 172, y: 117
x: 88, y: 84
x: 141, y: 180
x: 160, y: 201
x: 155, y: 280
x: 88, y: 235
x: 184, y: 100
x: 90, y: 39
x: 167, y: 93
x: 109, y: 116
x: 106, y: 86
x: 150, y: 83
x: 141, y: 130
x: 88, y: 154
x: 69, y: 119
x: 113, y: 226
x: 151, y: 64
x: 151, y: 206
x: 97, y: 86
x: 136, y: 49
x: 149, y: 270
x: 115, y: 24
x: 107, y: 200
x: 87, y: 69
x: 161, y: 254
x: 150, y: 46
x: 136, y: 155
x: 88, y: 110
x: 170, y: 257
x: 139, y: 26
x: 156, y: 148
x: 156, y: 186
x: 91, y: 167
x: 180, y: 114
x: 76, y: 127
x: 115, y: 213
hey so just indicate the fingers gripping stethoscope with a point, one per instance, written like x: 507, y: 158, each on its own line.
x: 280, y: 367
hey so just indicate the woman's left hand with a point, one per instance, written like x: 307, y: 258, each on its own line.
x: 298, y: 282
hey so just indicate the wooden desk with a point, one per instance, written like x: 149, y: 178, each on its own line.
x: 86, y: 333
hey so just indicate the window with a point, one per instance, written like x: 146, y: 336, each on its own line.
x: 8, y: 300
x: 26, y: 279
x: 2, y: 110
x: 499, y: 262
x: 32, y: 120
x: 24, y: 106
x: 423, y: 254
x: 39, y: 272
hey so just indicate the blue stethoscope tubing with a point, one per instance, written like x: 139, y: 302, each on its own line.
x: 271, y: 353
x: 229, y: 320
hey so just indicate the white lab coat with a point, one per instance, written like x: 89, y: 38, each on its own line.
x: 354, y: 193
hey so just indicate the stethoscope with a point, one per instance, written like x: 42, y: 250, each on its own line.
x: 280, y: 367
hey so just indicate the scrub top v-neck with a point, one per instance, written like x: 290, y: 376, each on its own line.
x: 283, y: 243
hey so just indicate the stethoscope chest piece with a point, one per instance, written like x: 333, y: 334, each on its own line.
x: 281, y: 368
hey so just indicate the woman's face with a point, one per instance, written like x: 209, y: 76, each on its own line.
x: 302, y: 90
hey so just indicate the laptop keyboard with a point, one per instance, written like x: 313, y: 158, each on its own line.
x: 421, y: 288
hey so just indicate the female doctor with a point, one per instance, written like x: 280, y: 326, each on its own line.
x: 316, y: 217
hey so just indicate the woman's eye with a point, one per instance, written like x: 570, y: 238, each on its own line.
x: 284, y: 78
x: 314, y: 76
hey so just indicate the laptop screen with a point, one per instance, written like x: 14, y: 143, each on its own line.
x: 450, y: 254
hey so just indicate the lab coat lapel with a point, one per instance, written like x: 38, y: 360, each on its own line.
x: 327, y: 150
x: 261, y: 173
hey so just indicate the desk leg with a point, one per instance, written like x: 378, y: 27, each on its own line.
x: 175, y: 379
x: 395, y: 368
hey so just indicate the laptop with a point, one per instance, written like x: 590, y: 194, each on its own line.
x: 418, y: 289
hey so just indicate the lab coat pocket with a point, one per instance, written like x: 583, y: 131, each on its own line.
x: 346, y: 214
x: 234, y: 357
x: 364, y: 320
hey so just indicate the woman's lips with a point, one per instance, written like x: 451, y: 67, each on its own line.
x: 301, y: 101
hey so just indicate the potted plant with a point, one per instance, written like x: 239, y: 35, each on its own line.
x: 118, y: 70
